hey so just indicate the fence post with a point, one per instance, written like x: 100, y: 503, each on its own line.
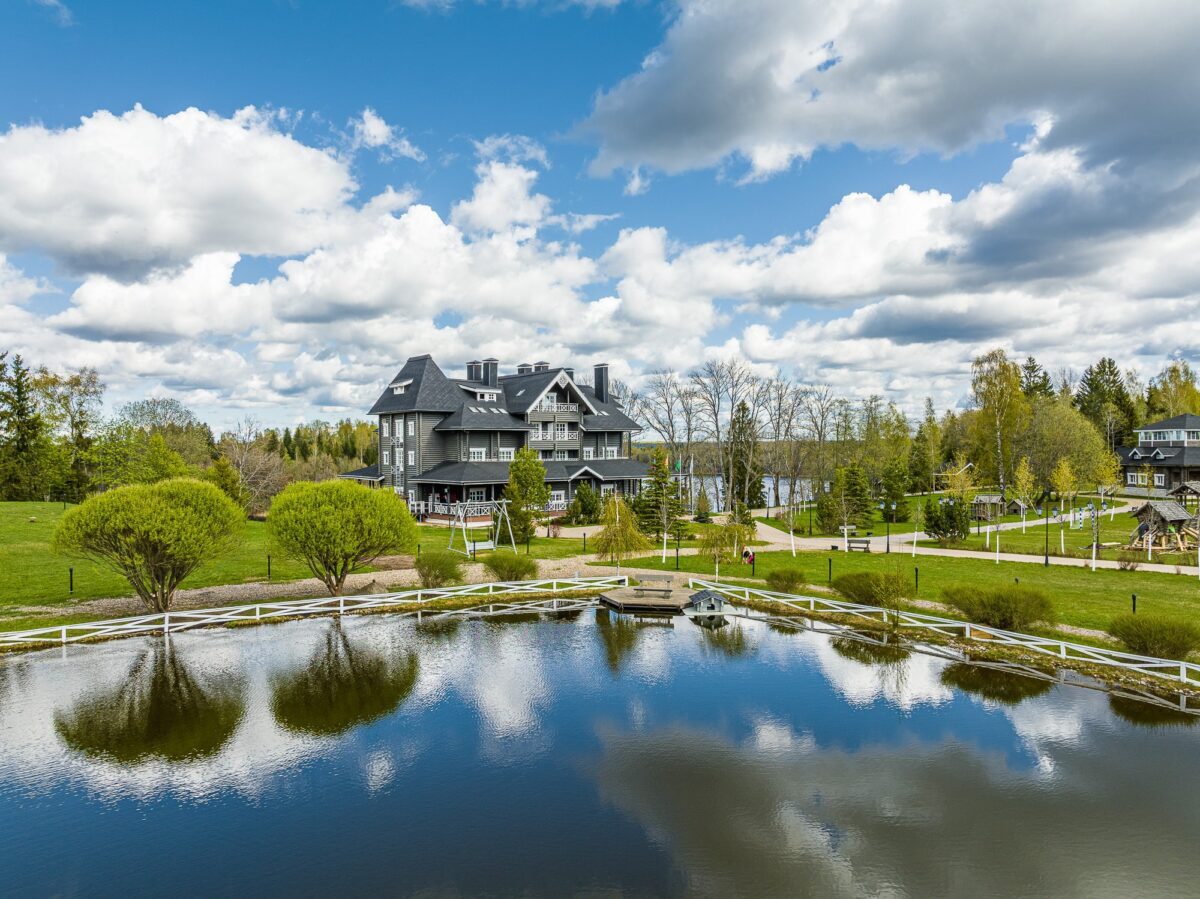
x: 268, y: 567
x: 831, y: 569
x: 71, y: 578
x: 916, y: 579
x: 166, y: 622
x: 64, y: 634
x: 1135, y: 604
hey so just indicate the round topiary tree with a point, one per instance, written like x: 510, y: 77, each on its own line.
x: 154, y: 535
x: 337, y: 527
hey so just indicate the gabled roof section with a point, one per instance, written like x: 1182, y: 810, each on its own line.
x: 1185, y: 422
x: 609, y: 416
x: 426, y: 389
x: 1167, y: 509
x: 523, y: 391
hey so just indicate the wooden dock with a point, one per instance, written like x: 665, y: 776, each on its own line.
x: 655, y: 593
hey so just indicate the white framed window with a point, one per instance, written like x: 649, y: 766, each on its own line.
x: 1131, y: 477
x: 506, y: 454
x: 477, y: 454
x: 412, y: 458
x: 589, y: 452
x: 561, y: 431
x: 383, y: 427
x: 399, y: 388
x: 387, y: 458
x: 608, y: 489
x: 561, y: 455
x: 412, y: 498
x: 412, y: 427
x: 558, y: 496
x: 477, y: 494
x: 610, y: 452
x: 1160, y: 479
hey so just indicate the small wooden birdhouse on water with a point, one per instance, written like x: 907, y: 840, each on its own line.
x: 1164, y: 525
x: 704, y: 603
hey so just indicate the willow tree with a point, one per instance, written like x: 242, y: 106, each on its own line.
x: 724, y: 543
x: 154, y: 535
x: 336, y: 527
x: 619, y: 537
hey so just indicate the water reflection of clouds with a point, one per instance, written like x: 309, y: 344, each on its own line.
x: 774, y: 819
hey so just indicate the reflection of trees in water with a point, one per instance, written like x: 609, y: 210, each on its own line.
x: 439, y: 627
x: 997, y: 684
x: 160, y: 710
x: 618, y: 636
x: 1148, y: 714
x: 730, y: 639
x: 507, y: 620
x: 869, y: 652
x: 342, y: 686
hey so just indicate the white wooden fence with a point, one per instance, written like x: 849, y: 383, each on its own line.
x: 1186, y: 672
x: 170, y: 622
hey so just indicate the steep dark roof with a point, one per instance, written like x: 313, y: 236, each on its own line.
x: 468, y: 419
x: 1173, y: 456
x: 497, y: 472
x: 370, y: 473
x: 614, y: 420
x: 1185, y: 422
x: 428, y: 391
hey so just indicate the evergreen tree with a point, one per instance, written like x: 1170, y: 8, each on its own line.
x: 25, y: 444
x: 1035, y: 381
x: 925, y: 453
x: 847, y: 503
x: 527, y: 492
x: 659, y: 505
x: 226, y: 477
x: 1103, y: 399
x: 745, y: 460
x: 894, y: 493
x: 288, y: 445
x: 947, y: 522
x: 703, y: 508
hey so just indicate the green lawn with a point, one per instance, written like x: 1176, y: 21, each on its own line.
x: 877, y: 526
x: 1077, y: 543
x: 32, y: 574
x: 1081, y: 597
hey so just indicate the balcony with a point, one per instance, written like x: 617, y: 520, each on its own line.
x: 556, y: 408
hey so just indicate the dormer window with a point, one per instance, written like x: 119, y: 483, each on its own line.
x: 486, y: 397
x: 399, y: 387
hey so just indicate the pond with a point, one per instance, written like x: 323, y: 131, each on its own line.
x: 588, y: 753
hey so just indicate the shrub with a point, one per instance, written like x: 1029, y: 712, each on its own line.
x: 506, y: 566
x: 885, y: 589
x: 336, y: 527
x: 1010, y: 607
x: 858, y: 586
x: 785, y: 580
x: 1154, y: 635
x: 154, y: 535
x: 439, y: 568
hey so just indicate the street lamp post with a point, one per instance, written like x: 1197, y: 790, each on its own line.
x: 888, y: 523
x: 1046, y: 522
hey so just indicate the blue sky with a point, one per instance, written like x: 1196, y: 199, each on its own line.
x: 862, y: 194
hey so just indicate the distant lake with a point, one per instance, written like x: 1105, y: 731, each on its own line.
x: 584, y: 754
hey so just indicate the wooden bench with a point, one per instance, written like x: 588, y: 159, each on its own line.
x: 858, y: 543
x: 658, y: 584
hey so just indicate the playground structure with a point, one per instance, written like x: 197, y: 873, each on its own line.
x: 1164, y: 525
x: 495, y: 510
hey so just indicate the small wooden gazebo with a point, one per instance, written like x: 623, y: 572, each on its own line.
x: 1187, y: 494
x: 1164, y: 524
